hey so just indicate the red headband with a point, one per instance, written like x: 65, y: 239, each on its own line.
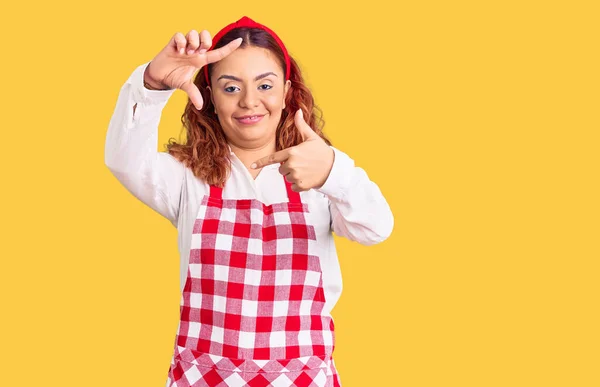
x: 247, y: 22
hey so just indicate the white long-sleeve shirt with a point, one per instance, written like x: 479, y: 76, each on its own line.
x: 349, y: 203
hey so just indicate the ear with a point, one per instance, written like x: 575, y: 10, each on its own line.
x: 286, y: 89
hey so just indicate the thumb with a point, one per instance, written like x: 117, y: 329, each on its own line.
x: 305, y: 130
x: 192, y: 91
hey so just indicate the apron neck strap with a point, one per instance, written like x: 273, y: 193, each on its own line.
x: 216, y: 192
x: 293, y: 196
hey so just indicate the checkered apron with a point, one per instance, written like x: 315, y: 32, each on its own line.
x: 252, y: 306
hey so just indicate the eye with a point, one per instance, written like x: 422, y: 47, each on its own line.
x: 227, y: 89
x: 268, y: 87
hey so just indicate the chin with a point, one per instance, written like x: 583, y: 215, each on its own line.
x: 257, y: 138
x: 252, y: 135
x: 255, y: 131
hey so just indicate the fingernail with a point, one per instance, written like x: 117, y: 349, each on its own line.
x: 181, y: 50
x: 253, y: 166
x: 190, y: 52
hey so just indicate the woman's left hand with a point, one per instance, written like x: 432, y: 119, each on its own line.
x: 306, y: 165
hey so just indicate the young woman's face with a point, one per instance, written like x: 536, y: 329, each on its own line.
x: 249, y: 82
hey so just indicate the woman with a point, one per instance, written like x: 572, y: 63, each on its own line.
x: 255, y: 193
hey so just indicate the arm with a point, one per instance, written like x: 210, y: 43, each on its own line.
x: 131, y: 154
x: 359, y: 211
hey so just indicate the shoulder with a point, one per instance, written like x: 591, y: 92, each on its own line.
x: 171, y: 161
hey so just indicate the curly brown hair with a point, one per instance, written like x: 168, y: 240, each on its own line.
x: 205, y: 150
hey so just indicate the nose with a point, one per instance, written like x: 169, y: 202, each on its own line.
x: 250, y: 98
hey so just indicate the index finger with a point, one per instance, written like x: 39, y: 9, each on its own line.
x: 220, y: 53
x: 277, y: 157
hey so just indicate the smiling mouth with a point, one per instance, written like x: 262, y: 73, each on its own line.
x: 250, y: 119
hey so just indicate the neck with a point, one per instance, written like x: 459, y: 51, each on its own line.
x: 249, y: 155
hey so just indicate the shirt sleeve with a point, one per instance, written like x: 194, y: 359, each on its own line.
x: 131, y: 148
x: 358, y: 209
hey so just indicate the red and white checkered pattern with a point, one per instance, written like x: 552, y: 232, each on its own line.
x: 191, y: 368
x: 252, y: 305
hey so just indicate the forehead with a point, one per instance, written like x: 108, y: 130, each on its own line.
x: 248, y: 62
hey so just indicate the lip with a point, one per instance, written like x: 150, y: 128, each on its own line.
x: 245, y: 120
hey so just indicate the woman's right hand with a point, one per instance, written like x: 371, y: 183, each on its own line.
x: 175, y: 65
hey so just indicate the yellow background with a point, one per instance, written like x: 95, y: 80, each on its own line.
x: 477, y: 119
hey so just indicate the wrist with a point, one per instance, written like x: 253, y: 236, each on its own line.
x: 340, y: 176
x: 153, y: 85
x: 329, y: 165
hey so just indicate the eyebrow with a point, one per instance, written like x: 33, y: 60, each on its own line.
x: 261, y: 76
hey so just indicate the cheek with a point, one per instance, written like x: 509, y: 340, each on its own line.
x: 274, y: 103
x: 224, y: 103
